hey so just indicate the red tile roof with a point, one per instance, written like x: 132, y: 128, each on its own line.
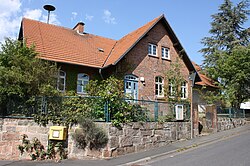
x: 61, y: 44
x: 66, y: 45
x: 205, y: 81
x: 127, y: 42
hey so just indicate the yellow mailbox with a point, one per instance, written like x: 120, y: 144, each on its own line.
x: 57, y: 133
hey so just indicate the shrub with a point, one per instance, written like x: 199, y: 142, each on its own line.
x: 89, y: 135
x: 37, y: 151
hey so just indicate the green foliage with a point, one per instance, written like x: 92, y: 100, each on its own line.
x: 121, y: 111
x: 175, y: 78
x: 37, y: 151
x: 226, y: 51
x: 104, y: 96
x: 226, y: 30
x: 211, y: 96
x: 24, y: 76
x: 234, y: 74
x: 66, y: 110
x: 89, y: 135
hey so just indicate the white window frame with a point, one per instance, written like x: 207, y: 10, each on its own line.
x: 171, y: 89
x: 151, y: 49
x: 184, y: 92
x: 83, y: 79
x: 159, y: 86
x: 165, y: 53
x: 61, y: 76
x: 179, y: 112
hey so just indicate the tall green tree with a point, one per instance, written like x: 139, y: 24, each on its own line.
x: 226, y: 51
x: 226, y: 31
x: 234, y: 72
x: 24, y: 76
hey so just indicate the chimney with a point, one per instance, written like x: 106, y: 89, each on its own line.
x: 79, y: 27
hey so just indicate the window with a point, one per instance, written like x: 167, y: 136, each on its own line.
x: 152, y: 50
x: 183, y: 90
x: 159, y: 87
x: 61, y: 81
x: 171, y: 89
x: 82, y: 81
x: 131, y: 86
x: 179, y: 112
x: 165, y: 53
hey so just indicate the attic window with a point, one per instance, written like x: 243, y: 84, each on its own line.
x: 152, y: 49
x: 100, y: 49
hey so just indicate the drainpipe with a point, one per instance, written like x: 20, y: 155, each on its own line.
x: 100, y: 72
x: 191, y: 112
x: 192, y: 80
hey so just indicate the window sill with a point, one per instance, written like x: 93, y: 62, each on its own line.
x: 155, y: 56
x: 167, y: 59
x: 160, y: 97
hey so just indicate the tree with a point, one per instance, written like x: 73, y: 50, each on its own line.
x: 227, y: 31
x: 23, y: 76
x: 226, y: 50
x: 234, y: 72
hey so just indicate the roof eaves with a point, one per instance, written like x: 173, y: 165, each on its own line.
x: 71, y: 63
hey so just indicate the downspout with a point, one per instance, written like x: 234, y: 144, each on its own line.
x: 100, y: 72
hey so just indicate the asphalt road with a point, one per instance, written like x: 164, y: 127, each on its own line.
x: 234, y: 151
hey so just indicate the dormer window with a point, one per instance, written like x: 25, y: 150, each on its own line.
x: 152, y: 49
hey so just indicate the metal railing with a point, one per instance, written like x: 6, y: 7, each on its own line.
x: 230, y: 112
x: 97, y: 108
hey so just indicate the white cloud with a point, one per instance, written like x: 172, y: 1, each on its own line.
x: 11, y: 15
x: 36, y: 14
x: 88, y: 17
x: 108, y: 17
x: 52, y: 19
x: 7, y: 8
x: 74, y: 14
x: 9, y: 19
x: 33, y: 14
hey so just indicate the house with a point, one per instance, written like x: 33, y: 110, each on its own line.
x: 141, y: 58
x: 202, y: 89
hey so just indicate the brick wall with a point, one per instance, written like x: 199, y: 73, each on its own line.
x: 140, y: 64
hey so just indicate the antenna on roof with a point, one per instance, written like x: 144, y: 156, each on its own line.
x: 49, y: 8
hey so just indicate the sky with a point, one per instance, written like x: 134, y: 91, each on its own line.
x: 190, y: 19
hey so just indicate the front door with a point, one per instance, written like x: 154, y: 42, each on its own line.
x: 131, y: 86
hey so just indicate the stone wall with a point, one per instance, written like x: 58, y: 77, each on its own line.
x: 138, y: 136
x: 10, y: 134
x: 225, y: 123
x: 132, y: 137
